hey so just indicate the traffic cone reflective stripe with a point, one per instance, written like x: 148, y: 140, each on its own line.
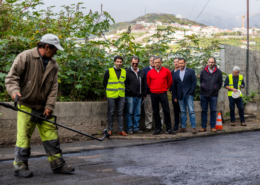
x: 219, y: 125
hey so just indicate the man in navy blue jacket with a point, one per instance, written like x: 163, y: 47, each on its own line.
x: 148, y: 109
x: 176, y: 106
x: 183, y: 90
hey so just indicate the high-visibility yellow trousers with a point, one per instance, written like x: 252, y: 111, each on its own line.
x: 49, y: 136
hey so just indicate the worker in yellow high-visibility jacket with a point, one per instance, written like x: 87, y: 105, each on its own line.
x: 114, y: 82
x: 233, y: 83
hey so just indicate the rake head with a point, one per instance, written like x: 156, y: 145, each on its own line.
x: 106, y: 133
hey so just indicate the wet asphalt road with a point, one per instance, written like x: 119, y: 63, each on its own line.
x: 229, y: 159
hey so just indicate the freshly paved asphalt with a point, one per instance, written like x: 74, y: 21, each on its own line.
x: 223, y: 159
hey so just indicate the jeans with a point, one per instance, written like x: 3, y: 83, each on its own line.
x: 156, y: 100
x: 187, y: 101
x: 177, y: 111
x: 133, y: 112
x: 114, y: 103
x: 212, y: 101
x: 239, y: 102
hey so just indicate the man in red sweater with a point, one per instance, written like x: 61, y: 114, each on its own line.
x: 159, y: 80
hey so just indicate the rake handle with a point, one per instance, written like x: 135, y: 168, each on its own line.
x: 15, y: 108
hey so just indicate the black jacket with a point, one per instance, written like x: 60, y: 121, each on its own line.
x: 210, y: 83
x: 172, y: 72
x: 135, y: 86
x: 146, y: 70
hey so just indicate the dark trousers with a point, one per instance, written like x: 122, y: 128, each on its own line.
x: 113, y: 104
x: 177, y: 111
x: 239, y: 102
x: 212, y: 102
x: 163, y: 99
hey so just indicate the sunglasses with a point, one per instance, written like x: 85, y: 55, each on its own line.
x: 134, y: 63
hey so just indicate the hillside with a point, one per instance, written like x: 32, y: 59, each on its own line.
x: 119, y: 26
x: 164, y: 18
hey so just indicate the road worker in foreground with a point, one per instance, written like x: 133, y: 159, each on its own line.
x: 34, y: 79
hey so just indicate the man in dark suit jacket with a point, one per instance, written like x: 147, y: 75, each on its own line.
x: 176, y: 106
x: 183, y: 90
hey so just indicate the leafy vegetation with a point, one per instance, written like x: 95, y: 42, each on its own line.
x: 82, y: 65
x: 79, y: 73
x: 251, y: 97
x: 227, y: 33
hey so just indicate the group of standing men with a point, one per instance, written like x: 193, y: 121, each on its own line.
x: 33, y: 78
x: 151, y: 85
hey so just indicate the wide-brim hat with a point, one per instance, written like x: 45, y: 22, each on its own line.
x: 236, y: 94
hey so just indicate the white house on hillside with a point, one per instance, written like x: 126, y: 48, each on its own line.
x: 140, y: 22
x: 186, y: 27
x: 195, y: 28
x: 158, y: 23
x: 179, y: 16
x: 147, y: 24
x: 243, y: 30
x: 121, y: 31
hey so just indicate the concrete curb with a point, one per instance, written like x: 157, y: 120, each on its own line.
x: 153, y: 141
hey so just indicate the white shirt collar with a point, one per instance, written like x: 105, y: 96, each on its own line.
x: 183, y: 70
x: 159, y: 69
x: 134, y: 70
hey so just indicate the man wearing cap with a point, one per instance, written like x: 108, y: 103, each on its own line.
x: 34, y: 79
x: 233, y: 83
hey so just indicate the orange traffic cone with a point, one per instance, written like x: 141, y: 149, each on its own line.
x: 219, y: 125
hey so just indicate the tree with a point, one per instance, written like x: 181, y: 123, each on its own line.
x: 84, y: 61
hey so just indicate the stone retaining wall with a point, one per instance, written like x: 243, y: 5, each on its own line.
x: 87, y: 117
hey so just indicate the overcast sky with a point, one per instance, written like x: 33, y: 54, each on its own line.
x: 127, y: 10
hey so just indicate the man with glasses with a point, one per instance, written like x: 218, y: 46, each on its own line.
x: 148, y: 109
x: 233, y: 83
x: 135, y: 90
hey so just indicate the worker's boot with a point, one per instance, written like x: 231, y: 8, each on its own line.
x: 22, y: 170
x: 64, y: 169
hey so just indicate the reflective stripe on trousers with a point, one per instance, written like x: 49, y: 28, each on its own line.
x: 49, y: 136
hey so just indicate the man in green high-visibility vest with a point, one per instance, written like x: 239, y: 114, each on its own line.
x: 233, y: 83
x: 114, y: 82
